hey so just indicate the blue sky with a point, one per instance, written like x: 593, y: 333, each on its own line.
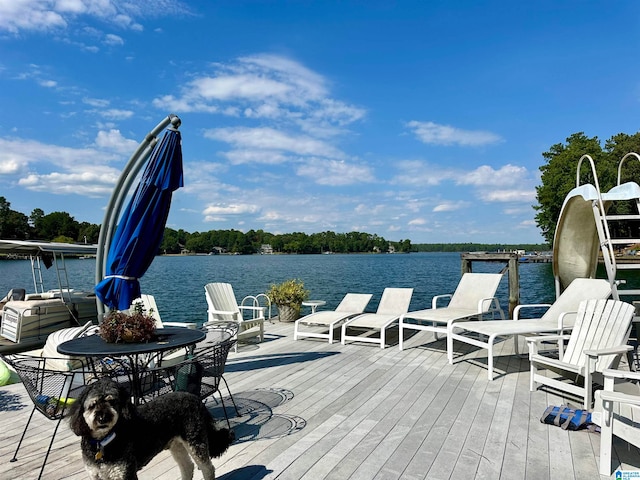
x: 408, y: 119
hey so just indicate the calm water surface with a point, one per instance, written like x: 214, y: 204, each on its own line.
x: 178, y: 282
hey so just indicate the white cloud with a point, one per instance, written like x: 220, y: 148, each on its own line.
x: 432, y: 133
x: 451, y: 206
x: 269, y: 157
x: 92, y: 182
x: 96, y: 102
x: 334, y: 172
x: 229, y: 209
x: 499, y: 195
x: 266, y: 87
x: 416, y: 172
x: 49, y: 15
x: 115, y: 114
x: 114, y: 141
x: 113, y: 40
x: 28, y: 152
x: 488, y: 176
x: 8, y: 165
x: 272, y: 139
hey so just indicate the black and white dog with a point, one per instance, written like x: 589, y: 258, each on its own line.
x: 118, y: 439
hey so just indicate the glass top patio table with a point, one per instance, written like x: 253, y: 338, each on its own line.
x: 163, y: 340
x: 140, y: 355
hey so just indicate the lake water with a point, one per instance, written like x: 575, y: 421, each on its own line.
x: 178, y: 282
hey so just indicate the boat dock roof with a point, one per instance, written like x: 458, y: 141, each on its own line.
x: 316, y: 411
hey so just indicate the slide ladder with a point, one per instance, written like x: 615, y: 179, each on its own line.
x: 584, y: 231
x: 617, y: 229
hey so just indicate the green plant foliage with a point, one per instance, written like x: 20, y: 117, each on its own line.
x: 290, y: 293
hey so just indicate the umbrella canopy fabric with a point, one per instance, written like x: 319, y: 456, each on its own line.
x: 141, y: 227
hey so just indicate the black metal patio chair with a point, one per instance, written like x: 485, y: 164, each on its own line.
x: 51, y: 391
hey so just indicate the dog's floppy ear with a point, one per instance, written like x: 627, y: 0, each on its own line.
x: 76, y: 417
x: 127, y: 409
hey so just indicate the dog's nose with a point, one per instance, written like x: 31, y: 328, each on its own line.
x: 103, y: 417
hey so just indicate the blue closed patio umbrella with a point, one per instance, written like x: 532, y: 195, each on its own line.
x: 141, y: 227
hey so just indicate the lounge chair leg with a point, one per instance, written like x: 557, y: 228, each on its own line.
x: 490, y: 343
x: 450, y: 346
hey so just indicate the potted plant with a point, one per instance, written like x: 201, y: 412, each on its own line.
x: 288, y: 297
x: 128, y: 327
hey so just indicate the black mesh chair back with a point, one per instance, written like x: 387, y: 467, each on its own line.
x: 51, y: 391
x: 207, y: 364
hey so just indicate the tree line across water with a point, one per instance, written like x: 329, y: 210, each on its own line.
x: 62, y: 227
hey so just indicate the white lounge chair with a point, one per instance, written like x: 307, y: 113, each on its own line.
x: 223, y: 306
x: 617, y: 412
x: 597, y: 341
x: 555, y: 320
x: 474, y: 296
x: 150, y: 307
x: 394, y: 302
x: 351, y: 305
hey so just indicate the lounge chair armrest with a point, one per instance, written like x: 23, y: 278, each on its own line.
x: 545, y: 338
x: 562, y: 322
x: 434, y: 301
x: 490, y: 300
x: 516, y: 311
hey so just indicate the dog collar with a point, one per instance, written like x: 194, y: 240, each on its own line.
x: 103, y: 443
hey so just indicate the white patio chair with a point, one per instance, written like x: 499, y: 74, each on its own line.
x: 394, y: 302
x: 558, y: 318
x: 597, y: 341
x: 617, y: 412
x: 474, y: 296
x: 223, y: 306
x: 351, y: 305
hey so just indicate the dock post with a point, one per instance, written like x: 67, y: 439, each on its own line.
x: 511, y: 259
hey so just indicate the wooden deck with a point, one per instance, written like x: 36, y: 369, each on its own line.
x: 314, y: 411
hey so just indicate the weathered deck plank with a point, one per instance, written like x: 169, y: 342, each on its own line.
x: 313, y: 411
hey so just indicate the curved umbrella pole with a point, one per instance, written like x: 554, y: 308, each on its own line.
x: 114, y: 207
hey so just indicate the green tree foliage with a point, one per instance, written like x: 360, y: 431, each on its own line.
x: 57, y: 224
x: 13, y: 224
x: 560, y: 170
x: 88, y: 232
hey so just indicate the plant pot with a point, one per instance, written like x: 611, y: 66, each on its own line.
x: 287, y: 313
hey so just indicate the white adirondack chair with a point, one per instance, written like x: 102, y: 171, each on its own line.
x: 618, y: 413
x: 223, y: 306
x: 597, y: 341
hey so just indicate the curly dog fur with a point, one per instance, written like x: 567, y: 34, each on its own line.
x: 118, y: 439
